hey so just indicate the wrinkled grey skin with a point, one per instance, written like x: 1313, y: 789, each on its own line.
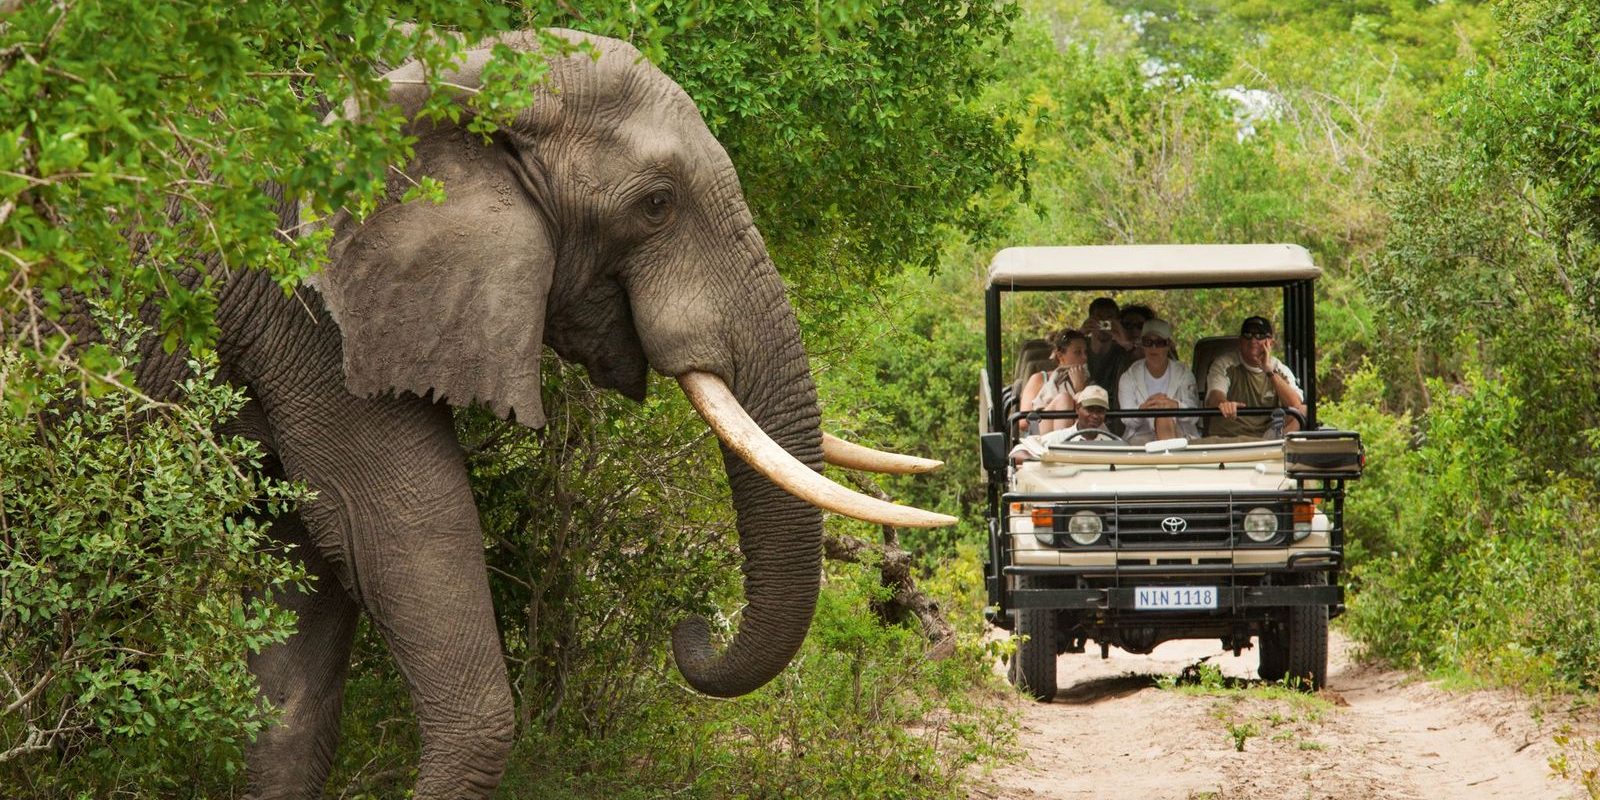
x: 607, y: 223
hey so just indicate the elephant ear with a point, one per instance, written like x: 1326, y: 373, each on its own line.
x: 447, y: 300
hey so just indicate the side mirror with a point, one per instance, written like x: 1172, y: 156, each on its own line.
x: 992, y: 447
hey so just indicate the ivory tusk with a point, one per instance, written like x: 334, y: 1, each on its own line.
x: 733, y: 425
x: 850, y: 455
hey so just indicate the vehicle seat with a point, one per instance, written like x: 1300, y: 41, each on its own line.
x: 1033, y: 356
x: 1206, y: 351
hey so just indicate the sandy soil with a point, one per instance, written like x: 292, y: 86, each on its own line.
x: 1111, y: 733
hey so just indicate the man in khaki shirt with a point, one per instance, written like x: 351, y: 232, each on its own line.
x: 1251, y: 376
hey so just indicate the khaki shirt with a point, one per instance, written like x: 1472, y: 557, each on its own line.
x: 1229, y: 375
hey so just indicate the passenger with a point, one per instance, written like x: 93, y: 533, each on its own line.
x: 1251, y: 376
x: 1158, y: 382
x: 1133, y: 319
x: 1108, y: 343
x: 1071, y: 352
x: 1092, y: 404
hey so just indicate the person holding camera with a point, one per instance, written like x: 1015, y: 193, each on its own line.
x: 1053, y: 390
x: 1110, y: 348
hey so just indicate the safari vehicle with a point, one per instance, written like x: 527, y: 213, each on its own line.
x: 1130, y: 546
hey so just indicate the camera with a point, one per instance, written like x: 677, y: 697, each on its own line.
x: 1105, y: 324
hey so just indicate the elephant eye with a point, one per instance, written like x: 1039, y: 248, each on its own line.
x: 658, y: 205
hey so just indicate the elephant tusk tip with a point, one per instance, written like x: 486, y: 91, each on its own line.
x: 849, y: 455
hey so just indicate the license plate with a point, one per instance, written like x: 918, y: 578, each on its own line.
x: 1174, y: 598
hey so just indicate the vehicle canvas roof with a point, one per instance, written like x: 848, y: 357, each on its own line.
x: 1150, y: 265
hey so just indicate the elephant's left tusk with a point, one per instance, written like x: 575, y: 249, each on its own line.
x: 850, y: 455
x: 723, y: 412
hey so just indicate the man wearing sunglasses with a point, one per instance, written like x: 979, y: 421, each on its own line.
x: 1251, y: 377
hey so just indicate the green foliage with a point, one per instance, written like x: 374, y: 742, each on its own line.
x: 132, y: 567
x: 139, y: 138
x: 1480, y: 559
x: 862, y: 713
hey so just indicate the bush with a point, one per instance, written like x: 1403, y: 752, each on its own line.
x: 1470, y: 558
x: 862, y: 713
x: 129, y: 538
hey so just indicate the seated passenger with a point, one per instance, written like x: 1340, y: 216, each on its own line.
x: 1157, y: 382
x: 1069, y: 377
x: 1251, y: 376
x: 1092, y: 404
x: 1133, y: 319
x: 1109, y: 343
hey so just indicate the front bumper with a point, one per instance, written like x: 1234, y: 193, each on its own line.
x: 1228, y: 598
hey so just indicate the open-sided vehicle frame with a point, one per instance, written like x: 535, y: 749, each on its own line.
x: 1139, y: 582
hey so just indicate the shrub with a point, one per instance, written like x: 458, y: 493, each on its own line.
x: 129, y: 539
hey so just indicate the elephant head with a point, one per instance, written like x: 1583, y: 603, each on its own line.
x: 607, y: 222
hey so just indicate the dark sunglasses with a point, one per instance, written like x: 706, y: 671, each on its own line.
x: 1257, y: 336
x: 1132, y: 326
x: 1152, y: 342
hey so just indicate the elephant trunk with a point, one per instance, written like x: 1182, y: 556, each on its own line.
x: 780, y: 535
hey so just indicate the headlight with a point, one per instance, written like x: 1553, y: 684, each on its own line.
x: 1085, y: 527
x: 1260, y: 524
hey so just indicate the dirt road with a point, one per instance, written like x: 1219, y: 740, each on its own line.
x: 1373, y: 735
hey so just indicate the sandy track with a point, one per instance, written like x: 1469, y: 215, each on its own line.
x: 1111, y: 733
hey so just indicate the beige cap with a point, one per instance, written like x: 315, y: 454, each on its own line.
x: 1093, y: 396
x: 1159, y: 328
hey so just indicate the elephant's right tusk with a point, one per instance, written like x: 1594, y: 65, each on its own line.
x: 850, y: 455
x: 723, y: 412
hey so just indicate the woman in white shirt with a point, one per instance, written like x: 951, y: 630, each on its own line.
x: 1155, y: 382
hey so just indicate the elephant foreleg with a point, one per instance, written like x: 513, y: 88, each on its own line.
x: 395, y: 509
x: 304, y: 678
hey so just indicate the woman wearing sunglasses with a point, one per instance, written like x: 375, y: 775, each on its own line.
x: 1157, y: 382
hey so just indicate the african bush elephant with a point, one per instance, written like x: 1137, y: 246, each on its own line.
x: 606, y: 222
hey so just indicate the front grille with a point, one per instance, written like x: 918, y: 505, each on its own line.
x: 1188, y: 523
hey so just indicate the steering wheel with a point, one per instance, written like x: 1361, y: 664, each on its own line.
x: 1100, y: 431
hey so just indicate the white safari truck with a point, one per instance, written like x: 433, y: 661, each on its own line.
x: 1206, y: 538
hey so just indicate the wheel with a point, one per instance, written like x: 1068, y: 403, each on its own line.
x: 1033, y: 667
x: 1306, y: 650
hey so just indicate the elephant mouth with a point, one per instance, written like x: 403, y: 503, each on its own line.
x: 734, y: 426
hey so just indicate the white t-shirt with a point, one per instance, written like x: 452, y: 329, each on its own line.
x: 1138, y: 385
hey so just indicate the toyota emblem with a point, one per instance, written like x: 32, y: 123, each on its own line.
x: 1174, y: 525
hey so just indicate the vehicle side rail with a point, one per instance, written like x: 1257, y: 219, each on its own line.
x: 1140, y: 413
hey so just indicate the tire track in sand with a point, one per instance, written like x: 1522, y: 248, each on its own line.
x: 1383, y: 735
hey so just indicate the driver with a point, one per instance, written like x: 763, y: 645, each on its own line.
x: 1251, y: 376
x: 1092, y: 404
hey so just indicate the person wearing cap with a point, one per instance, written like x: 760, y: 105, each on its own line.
x: 1251, y: 376
x: 1157, y: 381
x: 1092, y: 404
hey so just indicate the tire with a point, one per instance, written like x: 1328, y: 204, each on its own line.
x: 1033, y: 667
x: 1307, y: 645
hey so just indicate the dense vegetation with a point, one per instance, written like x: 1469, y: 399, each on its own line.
x: 1439, y: 159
